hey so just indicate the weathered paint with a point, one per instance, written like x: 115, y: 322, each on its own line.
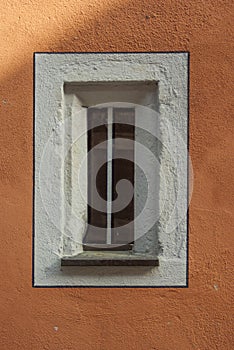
x: 194, y: 318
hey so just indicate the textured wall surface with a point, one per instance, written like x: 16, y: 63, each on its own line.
x: 195, y: 318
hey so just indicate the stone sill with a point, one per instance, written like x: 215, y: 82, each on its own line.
x: 110, y: 258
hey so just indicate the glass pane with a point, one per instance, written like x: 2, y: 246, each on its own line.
x: 97, y: 135
x: 123, y: 168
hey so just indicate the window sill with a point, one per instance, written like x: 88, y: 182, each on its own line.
x: 117, y: 258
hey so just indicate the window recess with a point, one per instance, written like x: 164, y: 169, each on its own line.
x: 111, y: 236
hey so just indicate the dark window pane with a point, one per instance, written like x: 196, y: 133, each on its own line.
x: 97, y: 135
x: 123, y: 168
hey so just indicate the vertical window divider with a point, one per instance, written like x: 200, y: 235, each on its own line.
x: 109, y: 172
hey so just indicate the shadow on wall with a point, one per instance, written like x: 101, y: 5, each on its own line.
x: 121, y: 26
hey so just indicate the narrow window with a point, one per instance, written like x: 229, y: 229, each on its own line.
x: 117, y: 158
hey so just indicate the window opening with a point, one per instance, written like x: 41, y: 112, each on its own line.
x: 118, y: 164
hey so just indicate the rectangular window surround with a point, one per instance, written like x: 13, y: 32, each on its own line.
x: 67, y: 87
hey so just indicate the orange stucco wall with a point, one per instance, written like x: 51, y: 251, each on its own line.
x: 196, y: 318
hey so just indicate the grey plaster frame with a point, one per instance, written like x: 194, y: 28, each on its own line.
x: 170, y: 70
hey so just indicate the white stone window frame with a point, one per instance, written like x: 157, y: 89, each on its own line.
x: 170, y: 71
